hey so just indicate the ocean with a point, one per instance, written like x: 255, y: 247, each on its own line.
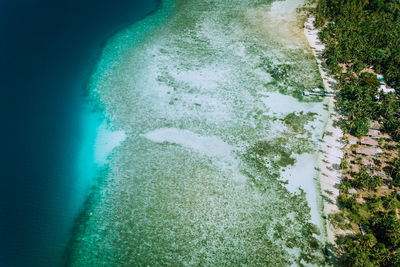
x: 50, y: 129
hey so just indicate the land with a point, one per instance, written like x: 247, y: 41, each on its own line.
x: 363, y: 59
x: 332, y: 144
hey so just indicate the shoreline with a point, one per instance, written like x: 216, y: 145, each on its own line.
x: 330, y: 157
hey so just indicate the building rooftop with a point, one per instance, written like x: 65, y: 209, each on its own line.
x: 352, y: 140
x: 368, y: 151
x: 373, y: 133
x: 385, y: 89
x: 374, y: 125
x: 352, y: 191
x: 368, y: 141
x: 367, y: 161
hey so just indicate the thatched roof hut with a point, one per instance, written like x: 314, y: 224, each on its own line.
x: 374, y: 125
x: 373, y: 133
x: 368, y: 141
x: 352, y: 140
x: 367, y: 162
x: 368, y: 151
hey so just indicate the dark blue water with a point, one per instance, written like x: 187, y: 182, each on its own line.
x: 47, y: 51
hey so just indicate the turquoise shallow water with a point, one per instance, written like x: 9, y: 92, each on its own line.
x: 86, y: 167
x: 218, y: 164
x: 48, y: 51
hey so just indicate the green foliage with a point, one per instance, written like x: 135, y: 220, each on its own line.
x: 389, y: 109
x: 363, y: 180
x: 363, y: 250
x: 332, y: 61
x: 379, y: 242
x: 359, y: 127
x: 357, y: 100
x: 370, y: 80
x: 297, y: 121
x: 347, y: 202
x: 387, y: 229
x: 391, y: 202
x: 344, y: 187
x: 395, y: 260
x: 343, y: 164
x: 394, y: 171
x: 365, y: 33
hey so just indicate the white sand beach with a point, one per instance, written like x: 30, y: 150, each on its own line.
x: 330, y: 158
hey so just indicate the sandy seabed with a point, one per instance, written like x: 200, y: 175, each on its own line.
x: 218, y: 164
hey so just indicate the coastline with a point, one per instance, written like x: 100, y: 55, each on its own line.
x: 331, y: 147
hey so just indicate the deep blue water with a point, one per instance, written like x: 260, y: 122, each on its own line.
x: 47, y: 52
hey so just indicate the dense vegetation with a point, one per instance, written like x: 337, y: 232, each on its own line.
x: 378, y: 242
x: 372, y: 217
x: 363, y: 35
x: 367, y: 33
x: 362, y: 39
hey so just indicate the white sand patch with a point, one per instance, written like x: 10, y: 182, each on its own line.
x: 262, y: 76
x: 302, y: 175
x: 208, y: 145
x: 278, y: 20
x: 277, y: 103
x: 106, y: 141
x: 211, y: 146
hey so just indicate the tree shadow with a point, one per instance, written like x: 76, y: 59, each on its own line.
x: 330, y: 253
x: 326, y: 199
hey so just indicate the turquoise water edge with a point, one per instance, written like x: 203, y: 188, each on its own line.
x: 207, y: 146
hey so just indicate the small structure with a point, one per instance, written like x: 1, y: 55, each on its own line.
x: 318, y: 94
x: 367, y: 162
x: 375, y: 125
x: 352, y: 140
x: 373, y: 133
x: 352, y: 191
x: 361, y: 229
x: 368, y: 141
x: 360, y: 200
x: 316, y: 90
x: 368, y: 152
x: 383, y: 88
x: 380, y: 77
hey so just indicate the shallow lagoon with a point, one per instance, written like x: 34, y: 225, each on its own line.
x: 209, y: 95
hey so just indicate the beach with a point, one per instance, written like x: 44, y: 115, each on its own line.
x: 331, y: 155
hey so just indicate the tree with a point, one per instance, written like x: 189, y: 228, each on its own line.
x: 358, y: 250
x: 360, y: 127
x: 363, y: 180
x: 386, y: 227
